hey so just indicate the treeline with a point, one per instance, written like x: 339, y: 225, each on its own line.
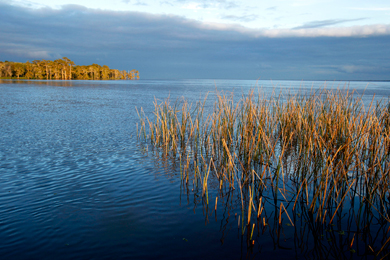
x: 62, y: 69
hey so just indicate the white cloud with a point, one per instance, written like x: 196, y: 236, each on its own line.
x: 353, y: 68
x: 346, y: 68
x: 307, y: 2
x: 193, y: 6
x: 30, y: 54
x: 352, y: 31
x: 245, y: 17
x: 28, y: 4
x: 371, y: 8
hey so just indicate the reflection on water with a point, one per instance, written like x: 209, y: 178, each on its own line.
x: 76, y: 183
x: 360, y: 229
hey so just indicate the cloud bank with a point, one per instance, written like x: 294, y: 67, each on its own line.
x: 166, y: 46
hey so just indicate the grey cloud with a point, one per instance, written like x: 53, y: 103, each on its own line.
x: 141, y: 3
x: 135, y: 3
x: 348, y: 69
x: 166, y: 3
x: 212, y: 3
x: 231, y: 5
x: 272, y: 8
x: 162, y: 46
x: 323, y: 23
x: 241, y: 18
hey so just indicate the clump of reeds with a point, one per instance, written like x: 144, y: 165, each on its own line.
x: 312, y: 152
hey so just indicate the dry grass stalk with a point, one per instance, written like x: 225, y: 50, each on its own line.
x: 324, y: 149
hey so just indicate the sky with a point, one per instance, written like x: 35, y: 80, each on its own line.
x: 229, y: 39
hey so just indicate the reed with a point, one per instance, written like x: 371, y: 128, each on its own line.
x: 308, y: 153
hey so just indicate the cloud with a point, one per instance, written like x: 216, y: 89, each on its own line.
x: 349, y: 69
x: 272, y: 8
x: 166, y: 46
x: 21, y: 51
x: 166, y: 3
x: 371, y: 8
x: 241, y: 18
x: 352, y: 31
x: 205, y: 4
x: 25, y: 3
x: 353, y: 68
x: 306, y: 2
x: 317, y: 24
x: 141, y: 3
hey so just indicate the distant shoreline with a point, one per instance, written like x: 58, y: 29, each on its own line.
x: 307, y: 80
x: 31, y: 79
x: 62, y: 69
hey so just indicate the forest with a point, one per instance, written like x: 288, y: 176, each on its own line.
x: 62, y: 69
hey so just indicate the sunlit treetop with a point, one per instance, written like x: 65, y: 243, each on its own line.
x: 62, y: 69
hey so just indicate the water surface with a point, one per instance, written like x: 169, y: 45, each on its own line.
x: 75, y: 183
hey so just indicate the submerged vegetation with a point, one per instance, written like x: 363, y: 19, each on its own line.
x: 317, y: 164
x: 62, y: 69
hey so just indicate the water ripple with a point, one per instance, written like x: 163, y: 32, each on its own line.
x: 75, y: 185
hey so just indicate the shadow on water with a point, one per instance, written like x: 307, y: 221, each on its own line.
x: 285, y: 226
x: 55, y: 83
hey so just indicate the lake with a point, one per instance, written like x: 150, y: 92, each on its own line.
x: 77, y: 183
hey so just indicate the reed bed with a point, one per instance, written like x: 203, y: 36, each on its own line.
x: 319, y: 155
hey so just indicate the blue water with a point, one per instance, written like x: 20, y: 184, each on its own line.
x: 75, y: 183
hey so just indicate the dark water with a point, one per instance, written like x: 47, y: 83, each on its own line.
x: 75, y: 183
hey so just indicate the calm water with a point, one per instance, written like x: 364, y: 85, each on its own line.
x: 75, y: 183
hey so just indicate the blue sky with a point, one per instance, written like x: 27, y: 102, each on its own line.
x: 279, y: 39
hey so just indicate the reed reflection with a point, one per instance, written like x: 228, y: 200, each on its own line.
x: 310, y: 172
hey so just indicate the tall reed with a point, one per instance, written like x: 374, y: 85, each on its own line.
x: 306, y: 153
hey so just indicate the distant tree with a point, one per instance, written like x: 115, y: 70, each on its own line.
x: 45, y: 65
x: 95, y: 68
x: 2, y: 66
x: 8, y: 69
x: 91, y: 72
x: 83, y: 72
x: 56, y: 69
x: 134, y: 74
x: 29, y: 70
x: 18, y: 69
x: 70, y: 64
x: 115, y: 74
x: 38, y: 69
x: 60, y: 68
x: 77, y: 72
x: 64, y: 69
x: 105, y: 72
